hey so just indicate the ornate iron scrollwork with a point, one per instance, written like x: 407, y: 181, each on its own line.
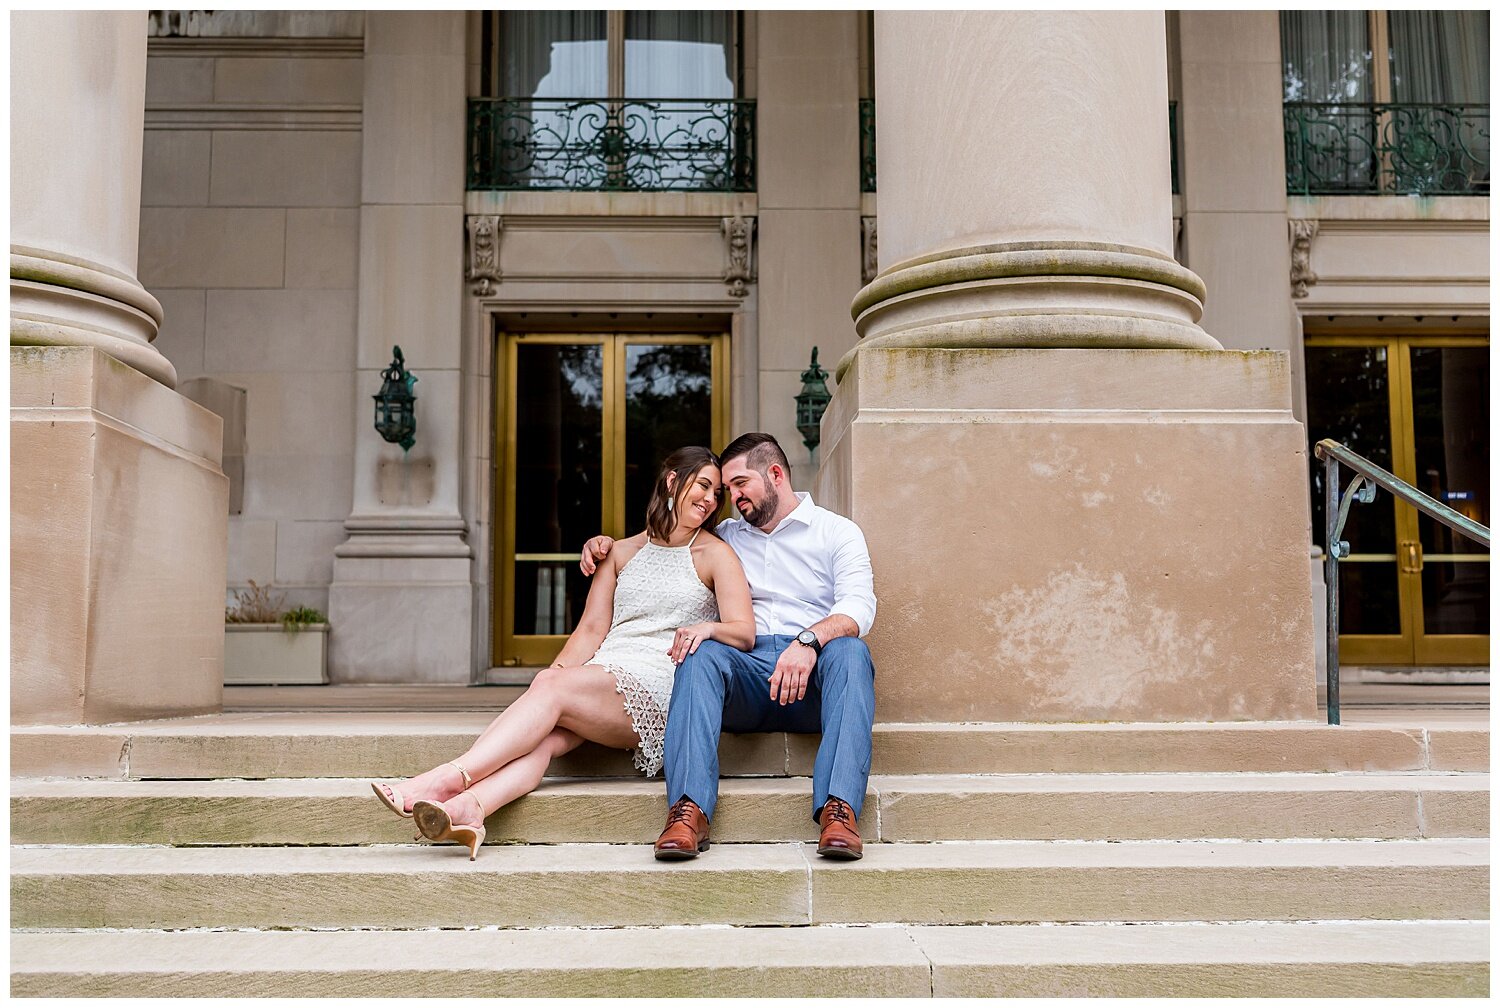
x: 611, y: 145
x: 1400, y: 149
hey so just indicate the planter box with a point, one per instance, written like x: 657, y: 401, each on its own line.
x: 266, y: 654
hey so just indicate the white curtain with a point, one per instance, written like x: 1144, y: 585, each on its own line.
x: 553, y: 54
x: 679, y: 54
x: 1325, y: 56
x: 1440, y: 56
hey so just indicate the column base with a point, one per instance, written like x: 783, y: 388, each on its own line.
x: 401, y: 608
x: 119, y: 515
x: 1079, y: 535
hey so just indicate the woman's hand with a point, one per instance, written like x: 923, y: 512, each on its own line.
x: 687, y: 640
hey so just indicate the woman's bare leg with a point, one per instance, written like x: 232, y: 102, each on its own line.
x: 582, y: 700
x: 516, y: 778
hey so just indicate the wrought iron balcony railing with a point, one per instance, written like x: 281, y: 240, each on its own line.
x: 1390, y: 149
x: 867, y: 145
x: 611, y: 144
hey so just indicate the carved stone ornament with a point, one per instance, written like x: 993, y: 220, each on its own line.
x: 869, y: 259
x: 484, y: 251
x: 1303, y: 232
x: 739, y: 254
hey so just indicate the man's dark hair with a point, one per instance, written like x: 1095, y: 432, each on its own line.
x: 760, y: 451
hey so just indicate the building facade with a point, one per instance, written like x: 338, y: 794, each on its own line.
x: 597, y: 235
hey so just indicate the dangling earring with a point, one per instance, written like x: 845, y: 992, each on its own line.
x: 669, y: 503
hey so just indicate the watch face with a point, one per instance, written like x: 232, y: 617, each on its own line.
x: 807, y: 637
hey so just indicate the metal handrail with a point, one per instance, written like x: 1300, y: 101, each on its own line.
x: 1361, y: 489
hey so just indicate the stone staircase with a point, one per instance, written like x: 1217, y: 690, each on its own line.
x: 243, y: 854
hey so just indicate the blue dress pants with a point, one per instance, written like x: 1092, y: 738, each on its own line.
x: 721, y: 689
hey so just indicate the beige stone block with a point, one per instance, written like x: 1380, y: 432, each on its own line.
x: 414, y: 125
x: 1458, y: 749
x: 959, y: 883
x: 293, y: 81
x: 411, y: 286
x: 1254, y: 959
x: 1231, y: 140
x: 52, y: 751
x: 1106, y: 748
x: 277, y: 330
x: 175, y: 168
x: 180, y: 338
x: 697, y: 962
x: 298, y: 486
x: 594, y: 885
x: 414, y: 33
x: 809, y: 274
x: 1146, y: 807
x: 1246, y: 262
x: 1229, y: 36
x: 399, y: 632
x: 807, y: 121
x: 297, y: 412
x: 1457, y: 812
x: 603, y: 249
x: 179, y: 80
x: 212, y: 247
x: 304, y: 551
x: 293, y: 168
x: 1113, y: 585
x: 252, y: 551
x: 118, y: 512
x: 322, y: 248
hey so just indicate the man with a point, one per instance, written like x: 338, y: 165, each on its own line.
x: 814, y: 598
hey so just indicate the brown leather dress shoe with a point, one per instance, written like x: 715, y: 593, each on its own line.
x: 686, y: 835
x: 840, y: 836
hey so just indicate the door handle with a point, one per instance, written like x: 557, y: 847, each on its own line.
x: 1411, y: 556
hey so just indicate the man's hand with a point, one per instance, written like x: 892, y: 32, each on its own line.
x: 594, y: 550
x: 793, y: 669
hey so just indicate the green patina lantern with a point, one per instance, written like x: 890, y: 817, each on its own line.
x: 396, y: 406
x: 811, y: 402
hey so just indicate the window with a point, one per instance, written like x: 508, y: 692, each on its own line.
x: 633, y: 100
x: 1386, y: 101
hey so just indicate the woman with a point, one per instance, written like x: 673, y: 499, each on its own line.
x: 656, y: 597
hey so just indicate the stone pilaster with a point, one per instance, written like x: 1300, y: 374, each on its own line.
x: 1097, y: 514
x: 400, y: 604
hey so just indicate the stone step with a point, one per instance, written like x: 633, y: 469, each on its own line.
x: 396, y: 744
x: 343, y: 812
x: 1350, y: 959
x: 747, y: 884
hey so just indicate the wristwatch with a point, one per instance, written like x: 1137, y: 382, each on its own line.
x: 811, y: 640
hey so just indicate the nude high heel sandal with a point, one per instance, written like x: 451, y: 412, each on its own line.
x: 436, y: 825
x: 394, y: 800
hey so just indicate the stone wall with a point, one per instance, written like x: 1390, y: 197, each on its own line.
x: 250, y: 238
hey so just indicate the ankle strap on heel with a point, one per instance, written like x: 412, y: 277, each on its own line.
x: 468, y: 781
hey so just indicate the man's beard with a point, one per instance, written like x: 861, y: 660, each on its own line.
x: 760, y: 515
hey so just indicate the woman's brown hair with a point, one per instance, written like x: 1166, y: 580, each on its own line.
x: 684, y: 464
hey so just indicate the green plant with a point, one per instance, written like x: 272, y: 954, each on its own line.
x: 295, y: 619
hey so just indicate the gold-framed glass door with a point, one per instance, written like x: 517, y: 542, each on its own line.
x: 583, y: 421
x: 1411, y: 591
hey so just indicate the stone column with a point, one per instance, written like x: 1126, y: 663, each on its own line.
x: 77, y: 114
x: 1097, y: 513
x: 400, y: 605
x: 118, y: 502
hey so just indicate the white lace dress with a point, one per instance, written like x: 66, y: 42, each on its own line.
x: 657, y: 591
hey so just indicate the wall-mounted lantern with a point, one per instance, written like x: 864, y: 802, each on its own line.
x: 811, y: 402
x: 396, y: 406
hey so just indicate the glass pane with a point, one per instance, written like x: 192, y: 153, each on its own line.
x: 553, y: 54
x: 668, y: 404
x: 1326, y: 56
x: 1440, y: 56
x: 679, y: 54
x: 1450, y: 417
x: 559, y: 487
x: 1348, y: 400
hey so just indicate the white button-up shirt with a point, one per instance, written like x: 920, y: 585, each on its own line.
x: 813, y: 564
